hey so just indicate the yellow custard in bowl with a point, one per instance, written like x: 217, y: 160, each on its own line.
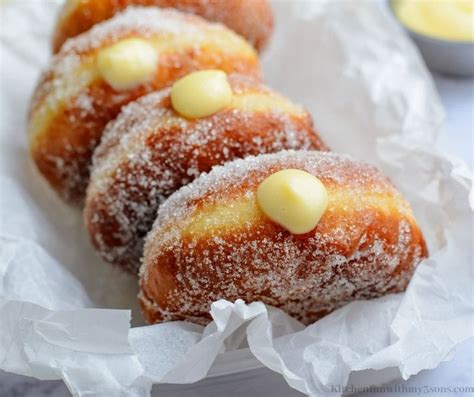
x: 442, y: 19
x: 443, y: 30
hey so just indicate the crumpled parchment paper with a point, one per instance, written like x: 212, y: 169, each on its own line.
x: 370, y: 95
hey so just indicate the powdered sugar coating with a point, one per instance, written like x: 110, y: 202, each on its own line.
x: 140, y: 21
x: 72, y: 103
x: 143, y: 21
x: 149, y: 151
x: 250, y: 18
x: 366, y: 245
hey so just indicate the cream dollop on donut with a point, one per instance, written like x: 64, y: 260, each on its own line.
x: 294, y: 199
x: 128, y: 63
x: 201, y: 94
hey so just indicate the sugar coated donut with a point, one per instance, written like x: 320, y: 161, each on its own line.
x: 213, y: 239
x: 95, y: 74
x: 252, y: 19
x: 150, y: 151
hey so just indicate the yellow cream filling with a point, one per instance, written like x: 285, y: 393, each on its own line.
x: 294, y: 199
x: 201, y: 94
x: 127, y: 64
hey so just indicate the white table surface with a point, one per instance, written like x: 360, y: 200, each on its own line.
x: 449, y: 379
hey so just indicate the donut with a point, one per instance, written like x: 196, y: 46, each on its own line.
x: 252, y: 19
x: 220, y: 238
x: 150, y: 151
x: 96, y: 73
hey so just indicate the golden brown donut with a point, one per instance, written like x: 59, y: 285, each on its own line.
x: 211, y: 241
x: 252, y: 19
x: 73, y: 102
x: 150, y: 151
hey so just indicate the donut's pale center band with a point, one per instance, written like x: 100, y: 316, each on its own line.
x: 74, y: 81
x: 234, y: 214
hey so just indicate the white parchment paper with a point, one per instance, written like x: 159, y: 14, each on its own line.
x: 370, y: 95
